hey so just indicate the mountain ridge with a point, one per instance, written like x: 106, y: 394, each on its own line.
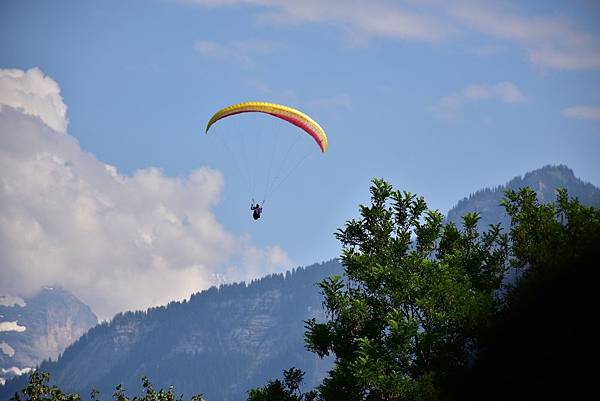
x: 543, y: 181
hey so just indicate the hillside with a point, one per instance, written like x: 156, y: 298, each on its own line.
x: 221, y: 342
x: 544, y: 181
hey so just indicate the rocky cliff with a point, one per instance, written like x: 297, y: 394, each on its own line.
x: 38, y: 328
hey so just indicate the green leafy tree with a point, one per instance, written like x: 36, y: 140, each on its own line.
x: 542, y: 343
x: 288, y: 390
x: 38, y: 389
x: 548, y: 239
x: 403, y: 322
x: 150, y: 394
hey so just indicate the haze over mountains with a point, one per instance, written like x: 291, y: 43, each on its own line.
x: 224, y: 341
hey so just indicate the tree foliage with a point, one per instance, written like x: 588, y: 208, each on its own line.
x: 542, y: 343
x: 288, y: 390
x: 403, y: 321
x: 426, y: 311
x: 39, y: 389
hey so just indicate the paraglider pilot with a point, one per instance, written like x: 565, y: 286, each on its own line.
x: 256, y: 211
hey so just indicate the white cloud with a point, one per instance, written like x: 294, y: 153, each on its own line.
x: 242, y: 52
x: 7, y: 349
x: 373, y: 18
x: 451, y: 105
x: 9, y: 300
x: 582, y: 112
x: 34, y: 94
x: 12, y: 326
x: 116, y: 241
x: 549, y: 41
x: 567, y: 59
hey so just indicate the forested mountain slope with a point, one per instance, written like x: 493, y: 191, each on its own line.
x: 544, y: 182
x: 222, y: 342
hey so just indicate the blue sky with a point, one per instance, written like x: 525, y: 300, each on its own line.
x: 440, y: 98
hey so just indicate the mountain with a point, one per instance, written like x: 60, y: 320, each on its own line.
x: 38, y: 328
x: 544, y: 181
x: 221, y: 342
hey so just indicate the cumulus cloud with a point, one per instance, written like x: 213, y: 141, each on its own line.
x: 549, y: 41
x: 241, y: 52
x: 451, y: 105
x: 582, y: 112
x: 12, y: 326
x: 35, y: 94
x: 117, y: 241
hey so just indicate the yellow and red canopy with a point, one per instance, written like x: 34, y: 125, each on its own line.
x: 286, y: 113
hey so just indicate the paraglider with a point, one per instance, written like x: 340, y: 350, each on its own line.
x: 286, y: 113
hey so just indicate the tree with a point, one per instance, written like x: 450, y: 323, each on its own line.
x: 403, y: 321
x: 542, y: 341
x: 38, y: 389
x: 288, y: 390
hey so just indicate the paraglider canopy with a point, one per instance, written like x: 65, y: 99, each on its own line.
x: 286, y: 113
x: 246, y: 156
